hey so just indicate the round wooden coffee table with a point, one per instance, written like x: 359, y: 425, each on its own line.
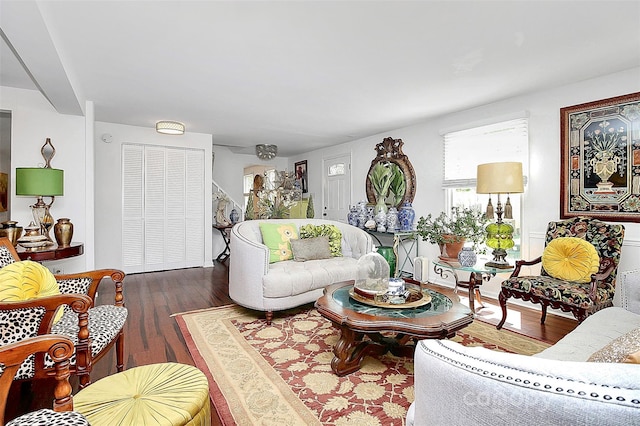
x: 402, y: 327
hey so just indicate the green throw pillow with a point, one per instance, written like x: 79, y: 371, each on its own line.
x: 331, y: 231
x: 276, y: 237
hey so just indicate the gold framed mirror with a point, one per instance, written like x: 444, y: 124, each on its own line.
x: 390, y: 151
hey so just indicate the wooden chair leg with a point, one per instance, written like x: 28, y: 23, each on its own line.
x: 120, y: 351
x: 502, y: 298
x: 269, y: 315
x: 544, y: 314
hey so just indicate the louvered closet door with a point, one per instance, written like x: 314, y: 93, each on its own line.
x: 175, y: 226
x: 194, y: 208
x: 154, y: 208
x: 132, y: 208
x: 163, y: 208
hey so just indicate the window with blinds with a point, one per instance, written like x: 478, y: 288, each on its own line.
x: 465, y: 149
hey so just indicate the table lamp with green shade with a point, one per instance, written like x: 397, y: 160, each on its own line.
x: 40, y: 182
x: 500, y: 178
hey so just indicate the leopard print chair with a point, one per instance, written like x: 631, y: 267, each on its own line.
x: 59, y: 349
x: 105, y: 323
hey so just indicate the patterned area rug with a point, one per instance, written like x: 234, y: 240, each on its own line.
x: 281, y: 374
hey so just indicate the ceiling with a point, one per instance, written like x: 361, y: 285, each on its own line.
x: 305, y: 74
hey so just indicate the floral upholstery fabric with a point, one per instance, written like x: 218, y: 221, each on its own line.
x: 607, y: 240
x: 49, y: 417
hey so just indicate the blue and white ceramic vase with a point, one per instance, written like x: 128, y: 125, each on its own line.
x: 370, y: 214
x: 234, y: 216
x: 362, y: 214
x: 467, y: 257
x: 352, y: 216
x: 406, y: 216
x: 392, y: 220
x: 381, y: 222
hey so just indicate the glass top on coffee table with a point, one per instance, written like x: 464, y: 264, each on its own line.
x: 439, y: 304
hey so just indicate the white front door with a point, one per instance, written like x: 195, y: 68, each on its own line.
x: 336, y: 184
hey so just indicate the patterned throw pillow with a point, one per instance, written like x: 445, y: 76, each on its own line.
x: 331, y: 231
x: 570, y: 259
x: 310, y: 248
x: 276, y: 237
x: 27, y: 280
x: 625, y: 348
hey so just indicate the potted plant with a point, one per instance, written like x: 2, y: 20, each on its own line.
x: 451, y: 231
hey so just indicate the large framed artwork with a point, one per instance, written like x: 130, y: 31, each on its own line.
x: 600, y: 159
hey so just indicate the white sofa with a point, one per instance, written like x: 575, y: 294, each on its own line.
x: 462, y: 385
x: 256, y: 284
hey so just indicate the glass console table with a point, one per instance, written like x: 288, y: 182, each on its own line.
x: 405, y: 247
x: 477, y: 274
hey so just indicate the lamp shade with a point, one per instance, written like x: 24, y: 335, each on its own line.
x: 500, y: 178
x: 39, y: 181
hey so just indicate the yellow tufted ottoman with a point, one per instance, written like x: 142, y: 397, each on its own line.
x: 157, y: 394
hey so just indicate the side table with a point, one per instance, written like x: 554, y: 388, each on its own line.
x: 405, y: 240
x: 52, y: 252
x: 477, y: 274
x: 226, y: 237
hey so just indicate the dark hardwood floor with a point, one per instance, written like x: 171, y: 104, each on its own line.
x: 152, y: 334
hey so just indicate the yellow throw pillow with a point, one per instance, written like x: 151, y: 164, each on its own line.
x: 570, y: 259
x: 276, y: 237
x: 27, y: 280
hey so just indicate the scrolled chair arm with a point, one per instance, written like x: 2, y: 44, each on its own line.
x: 59, y: 348
x: 521, y: 263
x: 95, y: 277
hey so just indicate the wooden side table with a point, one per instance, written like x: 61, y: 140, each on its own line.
x: 52, y: 252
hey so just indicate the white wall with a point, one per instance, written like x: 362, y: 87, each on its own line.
x: 34, y: 120
x: 541, y: 200
x: 108, y: 181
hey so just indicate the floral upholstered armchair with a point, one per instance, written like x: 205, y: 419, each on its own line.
x: 579, y: 298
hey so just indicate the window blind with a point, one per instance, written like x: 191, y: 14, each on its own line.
x: 465, y: 149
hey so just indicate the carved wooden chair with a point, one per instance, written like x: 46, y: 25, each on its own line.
x: 59, y: 349
x: 581, y: 299
x: 95, y: 331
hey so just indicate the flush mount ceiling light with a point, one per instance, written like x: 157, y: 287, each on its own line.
x: 170, y: 127
x: 266, y: 151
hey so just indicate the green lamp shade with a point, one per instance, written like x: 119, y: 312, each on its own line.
x: 500, y: 236
x: 39, y: 181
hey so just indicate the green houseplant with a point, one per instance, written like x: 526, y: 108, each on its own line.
x: 462, y: 225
